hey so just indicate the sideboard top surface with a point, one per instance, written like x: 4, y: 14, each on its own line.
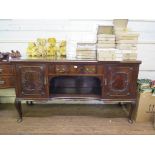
x: 50, y: 59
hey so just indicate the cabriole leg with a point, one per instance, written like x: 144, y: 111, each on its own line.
x: 19, y: 110
x: 131, y: 112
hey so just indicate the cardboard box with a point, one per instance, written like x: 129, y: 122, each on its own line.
x: 120, y: 23
x: 106, y: 42
x: 129, y: 56
x: 126, y: 41
x: 7, y: 95
x: 106, y: 55
x: 127, y: 36
x: 103, y: 38
x: 105, y: 30
x: 85, y: 54
x: 145, y: 108
x: 126, y: 46
x: 86, y: 46
x: 106, y: 36
x: 112, y: 45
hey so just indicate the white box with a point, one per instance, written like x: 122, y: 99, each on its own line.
x: 106, y: 36
x: 106, y: 45
x: 86, y: 46
x: 126, y: 46
x: 105, y: 30
x: 129, y: 56
x: 126, y: 41
x: 120, y: 23
x: 127, y: 36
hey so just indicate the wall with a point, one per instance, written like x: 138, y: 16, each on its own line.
x: 15, y: 34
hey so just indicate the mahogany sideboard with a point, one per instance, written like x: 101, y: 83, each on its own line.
x: 45, y: 79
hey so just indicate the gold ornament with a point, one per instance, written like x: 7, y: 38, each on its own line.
x: 41, y: 47
x: 52, y: 47
x: 31, y: 50
x: 62, y: 48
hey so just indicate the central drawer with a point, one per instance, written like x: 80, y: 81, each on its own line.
x: 75, y: 69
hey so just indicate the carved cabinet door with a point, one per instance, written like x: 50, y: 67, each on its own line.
x: 120, y: 81
x: 32, y: 82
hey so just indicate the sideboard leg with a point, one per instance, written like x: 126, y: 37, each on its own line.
x: 120, y: 103
x: 130, y: 120
x: 19, y: 110
x: 154, y: 120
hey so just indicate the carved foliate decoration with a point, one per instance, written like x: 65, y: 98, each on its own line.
x: 119, y: 79
x: 32, y: 80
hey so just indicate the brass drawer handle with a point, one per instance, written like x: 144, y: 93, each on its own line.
x: 2, y: 82
x: 62, y: 70
x: 1, y: 70
x: 91, y: 70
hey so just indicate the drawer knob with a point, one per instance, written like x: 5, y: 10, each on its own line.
x: 75, y: 66
x: 2, y: 82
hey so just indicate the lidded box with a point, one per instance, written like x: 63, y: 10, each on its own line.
x: 86, y: 46
x: 105, y: 30
x: 131, y: 37
x: 86, y: 51
x: 120, y: 24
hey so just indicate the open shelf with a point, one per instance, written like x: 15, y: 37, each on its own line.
x: 76, y: 96
x: 75, y: 86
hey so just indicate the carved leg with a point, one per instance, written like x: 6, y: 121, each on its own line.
x: 120, y: 103
x: 154, y: 120
x: 19, y: 110
x: 131, y: 112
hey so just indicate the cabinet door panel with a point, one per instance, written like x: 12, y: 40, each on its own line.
x: 120, y: 81
x: 32, y: 80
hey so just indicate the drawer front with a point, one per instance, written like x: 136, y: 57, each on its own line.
x: 7, y: 81
x: 83, y: 69
x: 6, y: 70
x: 62, y: 69
x: 51, y: 69
x: 75, y: 69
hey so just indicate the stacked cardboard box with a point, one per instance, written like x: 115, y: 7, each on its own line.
x: 126, y: 41
x: 106, y: 54
x: 86, y: 51
x: 105, y: 43
x: 105, y: 37
x: 120, y: 25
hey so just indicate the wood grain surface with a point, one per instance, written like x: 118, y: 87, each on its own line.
x: 70, y: 119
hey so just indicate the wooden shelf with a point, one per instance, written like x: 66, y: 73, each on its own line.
x: 76, y: 96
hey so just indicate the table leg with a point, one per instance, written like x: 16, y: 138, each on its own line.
x: 130, y: 120
x: 154, y: 120
x: 19, y: 110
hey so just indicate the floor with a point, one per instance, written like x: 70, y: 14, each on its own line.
x: 70, y: 119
